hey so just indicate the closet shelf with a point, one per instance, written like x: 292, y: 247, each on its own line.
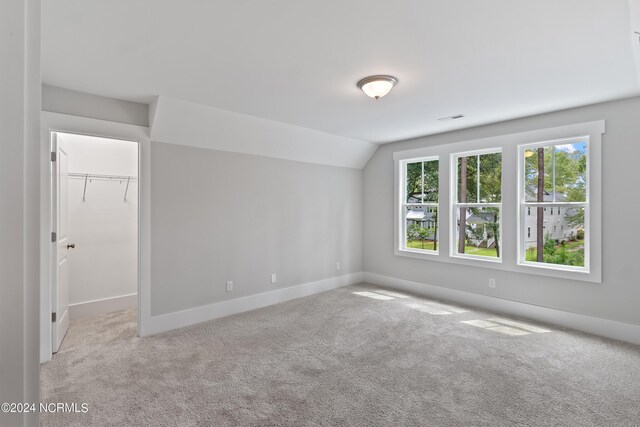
x: 89, y: 177
x: 100, y: 177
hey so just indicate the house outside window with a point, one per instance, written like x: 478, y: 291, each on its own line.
x: 554, y: 175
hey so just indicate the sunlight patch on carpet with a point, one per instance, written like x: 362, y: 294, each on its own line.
x: 374, y: 295
x: 393, y: 294
x: 425, y: 308
x: 520, y: 325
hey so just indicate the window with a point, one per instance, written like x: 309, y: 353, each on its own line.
x: 477, y: 206
x: 420, y: 205
x: 548, y: 222
x: 554, y: 174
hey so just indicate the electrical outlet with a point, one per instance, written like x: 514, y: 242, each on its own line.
x: 338, y: 265
x: 274, y: 278
x: 229, y: 286
x: 492, y: 283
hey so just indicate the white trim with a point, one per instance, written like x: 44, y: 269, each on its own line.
x: 510, y: 219
x: 180, y: 319
x: 586, y: 205
x: 94, y: 127
x: 593, y: 325
x: 400, y: 221
x: 101, y: 306
x: 454, y: 205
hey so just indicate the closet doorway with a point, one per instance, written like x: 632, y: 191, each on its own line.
x: 94, y: 223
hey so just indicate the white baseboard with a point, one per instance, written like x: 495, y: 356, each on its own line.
x: 592, y: 325
x: 107, y: 305
x: 179, y: 319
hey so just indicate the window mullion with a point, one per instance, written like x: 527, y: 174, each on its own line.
x: 422, y: 179
x: 478, y: 179
x: 553, y: 173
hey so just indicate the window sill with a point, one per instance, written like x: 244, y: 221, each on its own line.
x: 554, y: 267
x: 477, y: 258
x: 501, y: 265
x: 414, y: 253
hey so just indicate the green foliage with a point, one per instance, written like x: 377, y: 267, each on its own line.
x: 416, y: 232
x: 561, y: 254
x: 549, y: 245
x: 490, y: 178
x: 570, y: 172
x: 417, y: 184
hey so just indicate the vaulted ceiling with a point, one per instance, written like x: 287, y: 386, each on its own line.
x: 298, y: 61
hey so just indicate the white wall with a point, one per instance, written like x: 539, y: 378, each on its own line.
x: 219, y: 216
x: 19, y: 205
x: 104, y: 228
x: 616, y: 298
x: 65, y: 101
x: 180, y: 122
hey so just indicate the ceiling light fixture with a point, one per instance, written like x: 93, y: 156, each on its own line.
x: 377, y: 86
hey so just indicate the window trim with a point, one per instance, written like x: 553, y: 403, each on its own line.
x: 454, y: 205
x: 586, y: 205
x: 402, y: 225
x: 509, y: 144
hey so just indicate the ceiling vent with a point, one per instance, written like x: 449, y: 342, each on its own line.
x: 454, y: 117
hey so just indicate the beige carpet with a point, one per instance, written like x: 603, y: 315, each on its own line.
x: 370, y: 358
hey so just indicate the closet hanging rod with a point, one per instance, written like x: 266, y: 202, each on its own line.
x: 100, y: 177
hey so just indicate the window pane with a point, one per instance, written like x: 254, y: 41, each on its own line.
x: 480, y: 234
x: 491, y: 178
x: 538, y: 163
x: 468, y: 179
x: 488, y: 180
x: 571, y: 172
x: 561, y: 236
x: 431, y: 181
x: 422, y: 182
x: 422, y: 228
x: 414, y: 182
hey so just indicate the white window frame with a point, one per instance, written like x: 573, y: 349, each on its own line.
x: 511, y: 218
x: 522, y: 203
x: 401, y: 241
x: 455, y: 205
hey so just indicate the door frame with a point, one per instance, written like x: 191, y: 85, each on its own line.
x: 55, y: 122
x: 56, y: 247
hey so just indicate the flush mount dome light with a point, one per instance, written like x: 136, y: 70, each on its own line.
x: 377, y: 86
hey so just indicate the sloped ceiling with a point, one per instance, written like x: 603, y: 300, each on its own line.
x: 297, y: 61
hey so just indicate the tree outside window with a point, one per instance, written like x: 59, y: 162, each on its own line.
x: 478, y: 205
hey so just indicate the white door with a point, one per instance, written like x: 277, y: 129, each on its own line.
x: 61, y: 247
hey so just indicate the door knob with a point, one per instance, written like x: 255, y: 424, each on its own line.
x: 71, y: 245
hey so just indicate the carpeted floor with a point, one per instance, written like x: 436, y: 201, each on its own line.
x: 376, y: 358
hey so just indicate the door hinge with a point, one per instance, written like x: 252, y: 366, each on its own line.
x: 54, y: 237
x: 53, y: 156
x: 53, y: 317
